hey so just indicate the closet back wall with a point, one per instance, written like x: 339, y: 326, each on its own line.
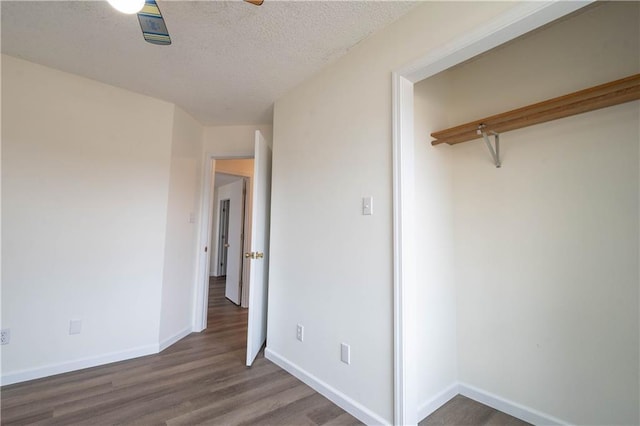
x: 546, y: 248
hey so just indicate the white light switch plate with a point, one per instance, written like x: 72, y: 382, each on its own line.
x: 367, y: 206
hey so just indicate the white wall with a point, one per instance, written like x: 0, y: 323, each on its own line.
x: 331, y: 267
x: 547, y: 255
x: 85, y: 179
x: 233, y: 140
x: 546, y: 248
x: 181, y: 229
x: 436, y: 344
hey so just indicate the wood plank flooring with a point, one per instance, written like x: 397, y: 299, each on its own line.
x: 461, y: 411
x: 201, y: 379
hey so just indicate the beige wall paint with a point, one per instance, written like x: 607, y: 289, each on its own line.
x: 436, y: 342
x: 233, y: 140
x: 331, y: 267
x: 182, y: 227
x: 85, y: 182
x: 112, y: 158
x: 98, y: 187
x: 546, y: 248
x: 242, y: 167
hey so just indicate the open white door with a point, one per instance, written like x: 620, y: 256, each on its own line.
x: 259, y: 254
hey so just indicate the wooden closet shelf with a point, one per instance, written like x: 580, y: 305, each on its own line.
x: 609, y: 94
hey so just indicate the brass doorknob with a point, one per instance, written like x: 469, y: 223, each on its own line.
x: 259, y: 255
x: 251, y: 255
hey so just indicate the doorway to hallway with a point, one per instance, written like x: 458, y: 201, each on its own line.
x: 231, y: 213
x: 257, y: 255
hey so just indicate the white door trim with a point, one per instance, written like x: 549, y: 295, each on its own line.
x: 403, y: 271
x: 515, y: 22
x: 201, y: 294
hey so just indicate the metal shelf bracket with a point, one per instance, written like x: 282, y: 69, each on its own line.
x: 495, y: 153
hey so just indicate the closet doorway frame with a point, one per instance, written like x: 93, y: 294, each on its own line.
x: 517, y: 21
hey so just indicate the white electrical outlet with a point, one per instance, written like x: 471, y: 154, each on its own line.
x: 75, y: 326
x: 5, y: 336
x: 345, y: 353
x: 300, y: 332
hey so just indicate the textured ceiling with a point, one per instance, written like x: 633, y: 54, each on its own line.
x: 229, y: 60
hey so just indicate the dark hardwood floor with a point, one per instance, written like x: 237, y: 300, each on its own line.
x: 201, y: 379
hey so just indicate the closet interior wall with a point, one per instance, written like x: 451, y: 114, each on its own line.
x: 534, y: 266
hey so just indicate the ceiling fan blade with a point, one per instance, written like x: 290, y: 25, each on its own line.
x: 153, y: 27
x: 255, y: 2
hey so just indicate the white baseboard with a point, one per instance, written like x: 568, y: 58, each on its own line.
x: 173, y: 339
x: 432, y: 404
x: 78, y: 364
x: 512, y: 408
x: 354, y: 408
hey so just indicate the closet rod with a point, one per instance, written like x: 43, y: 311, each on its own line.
x: 605, y: 95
